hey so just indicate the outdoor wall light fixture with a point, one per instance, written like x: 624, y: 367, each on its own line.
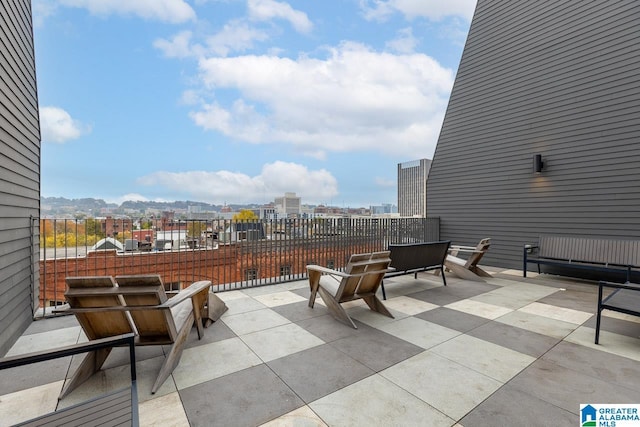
x: 538, y: 164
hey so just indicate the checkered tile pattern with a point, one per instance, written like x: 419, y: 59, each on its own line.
x: 510, y: 351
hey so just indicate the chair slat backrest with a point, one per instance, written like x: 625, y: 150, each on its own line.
x: 481, y: 248
x: 375, y: 263
x: 99, y: 324
x: 377, y: 267
x: 153, y: 325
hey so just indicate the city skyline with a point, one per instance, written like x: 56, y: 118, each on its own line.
x: 241, y: 101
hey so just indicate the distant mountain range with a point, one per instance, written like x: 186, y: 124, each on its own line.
x: 90, y: 206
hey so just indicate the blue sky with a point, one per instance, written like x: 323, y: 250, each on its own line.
x: 239, y: 101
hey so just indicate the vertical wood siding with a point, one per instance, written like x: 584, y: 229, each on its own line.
x: 552, y: 77
x: 19, y: 171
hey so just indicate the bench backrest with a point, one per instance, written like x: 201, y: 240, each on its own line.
x: 601, y: 251
x: 414, y: 256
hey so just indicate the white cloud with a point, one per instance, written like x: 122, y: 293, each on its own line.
x: 384, y: 182
x: 265, y: 10
x: 233, y: 187
x: 172, y: 11
x: 42, y: 9
x: 56, y: 125
x: 405, y: 42
x: 234, y: 36
x: 133, y: 197
x: 434, y: 10
x: 354, y: 100
x: 179, y: 46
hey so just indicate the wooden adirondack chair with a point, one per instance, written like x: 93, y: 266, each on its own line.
x: 104, y: 309
x: 360, y: 280
x: 468, y: 269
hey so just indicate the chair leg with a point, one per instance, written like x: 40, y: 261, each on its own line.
x: 337, y: 311
x: 314, y: 284
x: 173, y: 358
x: 376, y: 305
x: 91, y: 364
x: 463, y: 273
x: 384, y: 294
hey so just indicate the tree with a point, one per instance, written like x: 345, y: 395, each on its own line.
x: 245, y: 215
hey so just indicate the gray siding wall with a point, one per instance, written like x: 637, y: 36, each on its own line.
x: 19, y: 172
x: 558, y: 78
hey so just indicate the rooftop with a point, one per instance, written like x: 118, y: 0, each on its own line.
x: 510, y: 351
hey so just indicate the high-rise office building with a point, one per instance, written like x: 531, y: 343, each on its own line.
x: 412, y: 187
x: 289, y: 205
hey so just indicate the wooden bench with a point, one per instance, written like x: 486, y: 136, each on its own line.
x: 413, y: 258
x: 602, y: 255
x: 625, y: 299
x: 118, y: 408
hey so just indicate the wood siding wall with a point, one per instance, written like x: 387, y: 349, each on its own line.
x: 19, y: 171
x: 552, y: 77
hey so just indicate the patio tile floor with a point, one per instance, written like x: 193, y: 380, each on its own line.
x: 511, y: 351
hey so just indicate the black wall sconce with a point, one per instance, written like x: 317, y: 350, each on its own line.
x: 538, y: 164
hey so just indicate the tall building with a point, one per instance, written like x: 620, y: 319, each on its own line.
x: 412, y: 187
x: 551, y: 78
x: 289, y: 205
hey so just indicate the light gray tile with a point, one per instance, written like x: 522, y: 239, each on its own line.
x: 482, y: 356
x: 280, y: 341
x: 376, y: 401
x: 419, y: 332
x: 252, y: 321
x: 539, y: 324
x: 444, y: 384
x: 206, y: 362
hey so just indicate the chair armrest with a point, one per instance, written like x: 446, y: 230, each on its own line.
x: 468, y: 250
x: 630, y: 286
x: 69, y: 350
x: 461, y: 248
x: 193, y: 289
x: 326, y: 270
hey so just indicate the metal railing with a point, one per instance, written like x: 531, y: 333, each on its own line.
x: 232, y: 254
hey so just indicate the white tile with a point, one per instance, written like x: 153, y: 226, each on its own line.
x: 243, y: 304
x: 46, y: 340
x: 610, y: 342
x: 621, y: 316
x: 252, y: 321
x: 539, y: 324
x: 30, y: 403
x: 301, y: 417
x: 408, y: 305
x: 498, y: 362
x: 557, y: 313
x: 166, y: 411
x: 514, y: 297
x: 375, y: 401
x: 279, y: 298
x: 477, y: 308
x: 273, y: 343
x: 207, y: 362
x: 446, y: 385
x: 419, y: 332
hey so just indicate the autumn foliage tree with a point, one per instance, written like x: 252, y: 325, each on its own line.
x: 245, y: 215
